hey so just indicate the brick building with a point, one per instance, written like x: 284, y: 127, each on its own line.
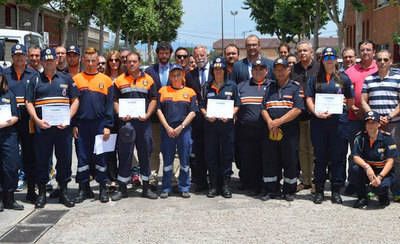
x: 380, y: 21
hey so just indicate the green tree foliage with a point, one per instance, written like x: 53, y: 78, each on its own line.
x: 287, y: 19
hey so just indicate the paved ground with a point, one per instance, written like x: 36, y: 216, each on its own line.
x: 242, y: 219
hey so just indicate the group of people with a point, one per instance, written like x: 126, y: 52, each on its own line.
x: 274, y: 133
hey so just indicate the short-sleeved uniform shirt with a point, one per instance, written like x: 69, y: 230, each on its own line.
x: 278, y: 100
x: 125, y: 86
x: 227, y: 92
x: 377, y: 152
x: 331, y: 86
x: 51, y: 91
x: 95, y: 97
x: 176, y: 104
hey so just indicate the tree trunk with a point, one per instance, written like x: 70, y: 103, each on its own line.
x: 340, y: 34
x: 35, y: 23
x: 117, y: 35
x: 85, y: 37
x: 149, y: 51
x: 358, y: 28
x: 101, y: 38
x: 65, y: 28
x: 316, y: 25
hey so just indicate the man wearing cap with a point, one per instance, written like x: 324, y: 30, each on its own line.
x: 18, y: 77
x: 242, y: 69
x: 134, y: 84
x: 34, y: 59
x: 159, y: 73
x: 94, y: 117
x: 282, y: 105
x: 55, y: 90
x: 176, y: 109
x: 219, y: 132
x: 373, y: 153
x: 301, y: 72
x: 251, y: 129
x: 73, y: 60
x: 381, y: 94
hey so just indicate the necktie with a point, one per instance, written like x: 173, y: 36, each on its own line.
x: 203, y: 75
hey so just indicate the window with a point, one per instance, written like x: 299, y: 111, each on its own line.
x: 7, y: 16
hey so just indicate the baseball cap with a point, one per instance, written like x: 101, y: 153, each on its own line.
x: 18, y: 49
x: 73, y: 49
x: 175, y: 66
x: 48, y: 54
x: 329, y: 54
x: 259, y: 62
x: 281, y: 61
x: 219, y: 63
x: 372, y: 115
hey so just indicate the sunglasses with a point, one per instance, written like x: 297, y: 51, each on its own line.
x: 102, y: 63
x: 181, y: 56
x: 291, y: 62
x: 330, y: 57
x: 346, y: 57
x: 114, y: 60
x: 382, y: 59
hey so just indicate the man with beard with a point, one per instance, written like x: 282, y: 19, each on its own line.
x: 231, y: 56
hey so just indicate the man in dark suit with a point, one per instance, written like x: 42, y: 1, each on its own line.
x: 196, y: 79
x: 242, y: 68
x: 159, y: 72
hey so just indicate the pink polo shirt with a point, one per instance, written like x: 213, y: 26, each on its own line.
x: 357, y: 75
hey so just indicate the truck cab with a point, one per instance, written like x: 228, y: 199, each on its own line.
x: 9, y: 37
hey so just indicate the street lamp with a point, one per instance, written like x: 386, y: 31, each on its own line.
x: 245, y: 32
x: 234, y: 13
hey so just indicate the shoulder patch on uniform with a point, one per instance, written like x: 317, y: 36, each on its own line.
x: 392, y: 147
x: 5, y: 100
x: 145, y: 82
x: 185, y: 95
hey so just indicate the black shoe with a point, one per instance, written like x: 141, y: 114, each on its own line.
x: 41, y: 199
x: 147, y: 192
x: 55, y: 193
x: 289, y: 197
x: 361, y: 203
x: 226, y: 191
x: 65, y: 198
x: 164, y: 195
x: 318, y: 198
x: 185, y: 194
x: 103, y: 196
x: 212, y: 192
x: 266, y: 197
x: 10, y: 203
x: 336, y: 198
x: 84, y: 192
x: 121, y: 193
x: 384, y: 200
x: 31, y: 195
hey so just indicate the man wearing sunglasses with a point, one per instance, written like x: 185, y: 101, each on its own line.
x: 182, y: 58
x: 380, y: 94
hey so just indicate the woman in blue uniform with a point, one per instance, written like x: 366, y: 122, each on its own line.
x: 9, y: 158
x: 327, y: 130
x: 219, y: 132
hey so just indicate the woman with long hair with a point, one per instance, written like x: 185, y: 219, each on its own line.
x: 328, y: 134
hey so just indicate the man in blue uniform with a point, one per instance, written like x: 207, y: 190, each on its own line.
x: 281, y: 106
x: 18, y: 76
x: 54, y: 90
x: 373, y: 153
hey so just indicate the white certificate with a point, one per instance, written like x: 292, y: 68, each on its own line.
x: 331, y: 103
x: 5, y: 112
x: 133, y: 107
x: 101, y: 146
x: 56, y: 114
x: 220, y: 108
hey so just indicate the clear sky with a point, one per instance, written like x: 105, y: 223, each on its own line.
x: 202, y: 22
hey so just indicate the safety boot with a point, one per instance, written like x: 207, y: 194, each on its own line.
x: 103, y: 196
x: 64, y: 197
x: 41, y: 199
x: 10, y: 203
x: 147, y: 192
x: 121, y: 193
x: 31, y: 195
x: 212, y: 191
x: 226, y: 191
x: 84, y: 192
x: 319, y: 194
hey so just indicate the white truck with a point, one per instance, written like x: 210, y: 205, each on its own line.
x: 9, y: 37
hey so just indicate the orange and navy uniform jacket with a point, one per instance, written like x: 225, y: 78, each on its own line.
x: 95, y: 98
x: 8, y: 99
x: 251, y: 96
x: 278, y: 100
x: 18, y: 84
x: 125, y: 86
x: 176, y: 104
x: 227, y: 92
x: 51, y: 91
x: 375, y: 153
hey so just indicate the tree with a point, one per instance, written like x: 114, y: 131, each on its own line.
x: 287, y: 19
x: 35, y: 5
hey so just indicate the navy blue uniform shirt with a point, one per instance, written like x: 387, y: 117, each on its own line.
x: 227, y: 92
x: 8, y: 99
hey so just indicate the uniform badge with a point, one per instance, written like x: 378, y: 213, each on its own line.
x: 228, y: 93
x: 101, y: 85
x: 64, y: 92
x: 210, y: 94
x: 392, y: 147
x: 17, y: 46
x: 145, y: 83
x: 5, y: 100
x: 185, y: 95
x: 381, y: 150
